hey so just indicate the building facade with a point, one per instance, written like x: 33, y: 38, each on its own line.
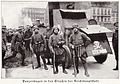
x: 102, y: 12
x: 105, y: 13
x: 114, y: 16
x: 36, y: 13
x: 115, y: 12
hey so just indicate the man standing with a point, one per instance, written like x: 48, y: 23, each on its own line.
x: 38, y: 45
x: 4, y: 41
x: 47, y: 35
x: 27, y: 37
x: 56, y: 42
x: 77, y: 42
x: 115, y: 44
x: 17, y: 45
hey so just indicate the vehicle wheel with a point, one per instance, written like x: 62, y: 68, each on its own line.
x: 101, y: 58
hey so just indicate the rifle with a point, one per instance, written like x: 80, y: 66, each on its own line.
x: 54, y: 62
x: 75, y: 70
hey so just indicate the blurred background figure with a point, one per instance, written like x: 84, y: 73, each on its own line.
x: 47, y: 35
x: 38, y: 23
x: 4, y: 42
x: 17, y: 45
x: 27, y: 37
x: 115, y: 44
x: 10, y: 35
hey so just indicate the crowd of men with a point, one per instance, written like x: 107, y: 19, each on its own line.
x: 48, y: 45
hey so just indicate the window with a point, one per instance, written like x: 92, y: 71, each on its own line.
x: 101, y: 19
x: 113, y: 15
x: 105, y: 12
x: 117, y: 15
x: 98, y: 19
x: 101, y: 11
x: 98, y: 11
x: 109, y: 12
x: 105, y: 19
x: 108, y: 19
x: 93, y: 11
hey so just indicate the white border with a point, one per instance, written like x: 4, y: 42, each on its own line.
x: 19, y: 81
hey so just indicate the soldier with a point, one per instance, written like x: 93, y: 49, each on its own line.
x: 55, y: 44
x: 4, y: 41
x: 77, y: 42
x: 17, y: 45
x: 115, y: 44
x: 47, y: 35
x: 10, y: 35
x: 38, y: 23
x: 38, y: 45
x: 27, y: 37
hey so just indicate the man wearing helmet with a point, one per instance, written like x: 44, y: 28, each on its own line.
x: 17, y: 44
x: 78, y: 41
x: 38, y: 45
x: 56, y: 42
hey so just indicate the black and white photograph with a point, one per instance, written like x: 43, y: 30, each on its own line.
x: 59, y: 39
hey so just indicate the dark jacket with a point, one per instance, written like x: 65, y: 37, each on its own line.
x: 115, y: 40
x: 79, y: 41
x: 4, y: 41
x: 38, y: 43
x: 55, y: 43
x: 17, y: 42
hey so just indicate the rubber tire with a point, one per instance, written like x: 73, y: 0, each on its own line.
x: 101, y: 58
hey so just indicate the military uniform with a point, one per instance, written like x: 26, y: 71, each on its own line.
x: 47, y: 35
x: 27, y: 38
x: 115, y: 46
x: 79, y: 41
x: 4, y: 47
x: 38, y: 45
x: 55, y: 44
x: 17, y: 45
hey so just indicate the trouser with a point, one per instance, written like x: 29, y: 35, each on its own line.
x: 3, y: 55
x: 38, y: 58
x: 22, y: 53
x: 115, y: 48
x: 116, y: 57
x: 77, y: 61
x: 60, y: 59
x: 57, y: 64
x: 27, y: 45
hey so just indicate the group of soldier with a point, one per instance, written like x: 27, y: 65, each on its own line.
x: 48, y: 45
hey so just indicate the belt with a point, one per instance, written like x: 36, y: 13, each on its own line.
x: 80, y: 45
